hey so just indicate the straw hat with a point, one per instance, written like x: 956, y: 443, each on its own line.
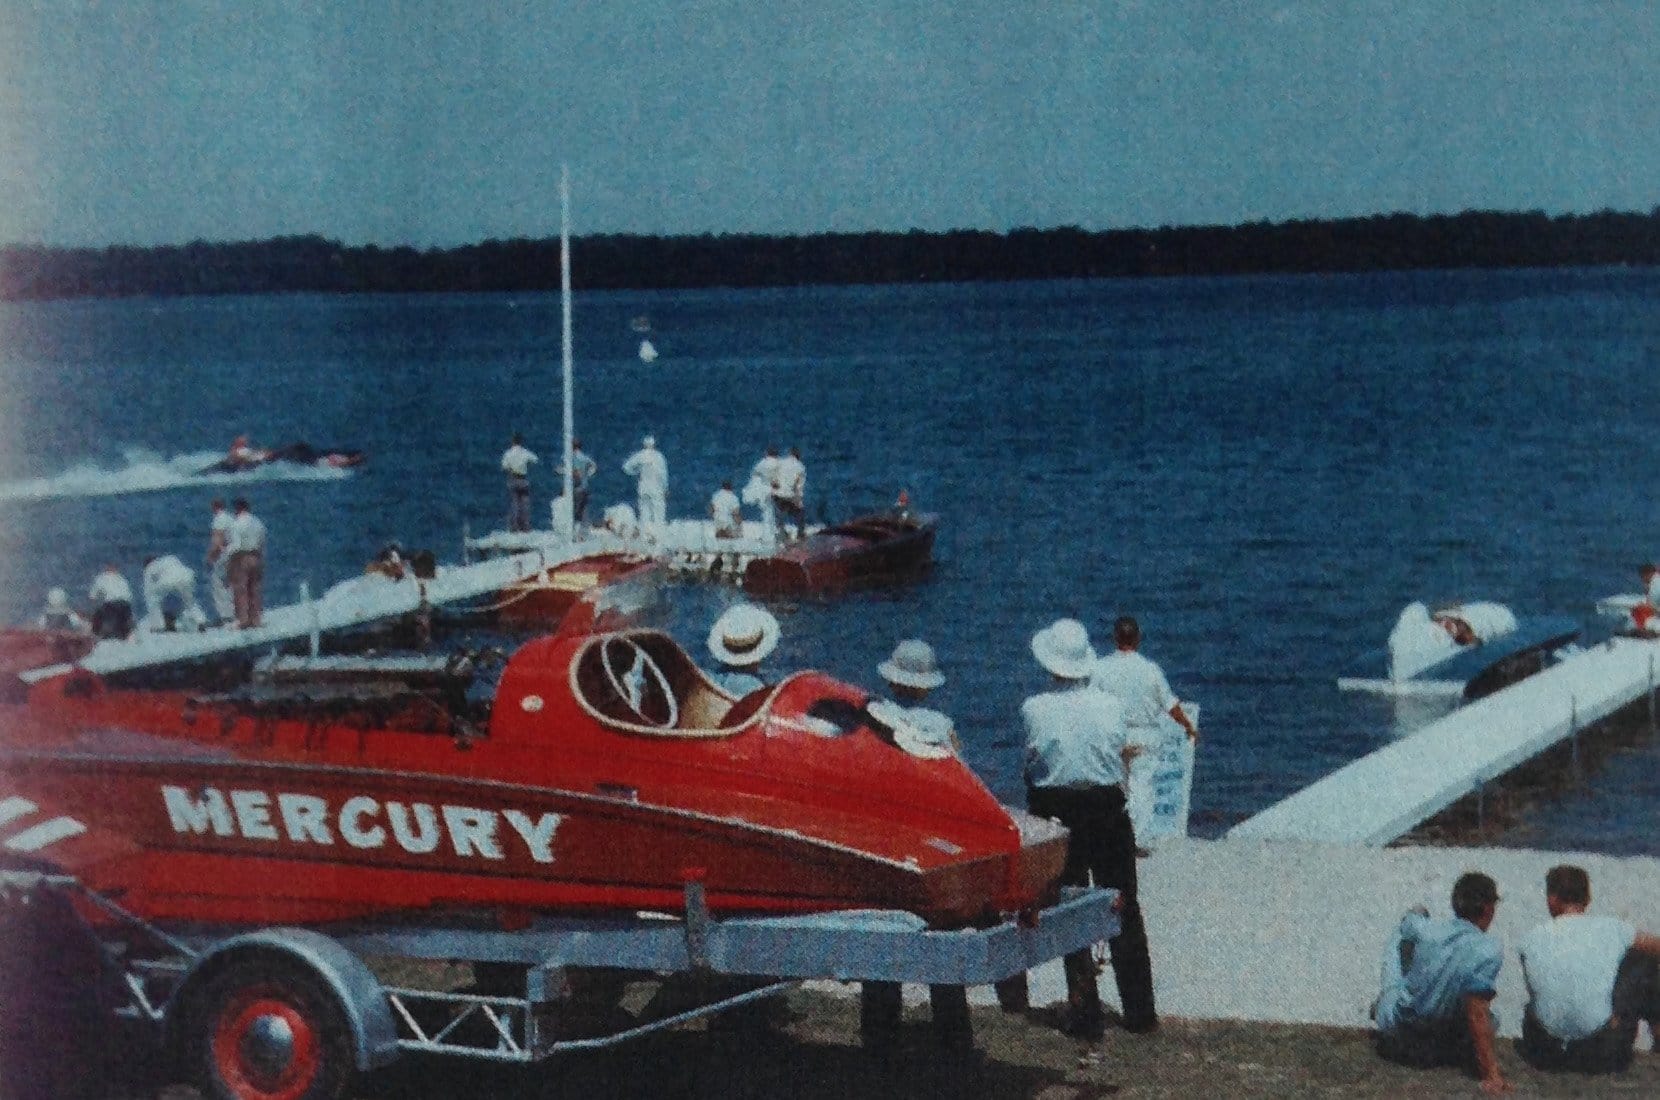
x: 743, y: 635
x: 912, y: 665
x: 1063, y: 648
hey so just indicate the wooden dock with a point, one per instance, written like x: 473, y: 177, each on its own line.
x: 357, y: 602
x: 1379, y: 797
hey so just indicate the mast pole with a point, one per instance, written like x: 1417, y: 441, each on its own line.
x: 569, y: 518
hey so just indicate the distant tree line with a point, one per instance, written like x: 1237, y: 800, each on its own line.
x: 311, y: 263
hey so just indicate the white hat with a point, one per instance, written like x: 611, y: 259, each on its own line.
x: 912, y: 665
x: 650, y: 441
x: 57, y: 599
x: 1063, y: 648
x: 743, y: 635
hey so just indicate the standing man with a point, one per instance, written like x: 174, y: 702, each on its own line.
x: 583, y: 470
x: 761, y: 490
x: 245, y: 571
x: 1077, y: 750
x: 790, y: 491
x: 1439, y: 979
x: 652, y: 469
x: 515, y: 463
x: 112, y: 604
x: 1145, y: 694
x: 218, y: 534
x: 1589, y: 980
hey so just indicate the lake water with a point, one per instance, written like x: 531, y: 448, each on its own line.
x: 1262, y: 470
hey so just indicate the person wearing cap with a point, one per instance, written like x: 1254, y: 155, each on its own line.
x: 112, y: 604
x: 515, y: 463
x: 1077, y: 754
x: 743, y: 637
x: 170, y: 595
x: 245, y: 570
x: 911, y: 673
x: 1145, y: 695
x: 224, y: 606
x: 652, y: 471
x: 60, y: 616
x: 727, y: 512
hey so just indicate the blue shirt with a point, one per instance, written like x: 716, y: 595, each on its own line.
x: 1074, y: 739
x: 1451, y: 959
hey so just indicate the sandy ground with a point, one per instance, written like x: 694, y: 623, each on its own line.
x: 815, y: 1054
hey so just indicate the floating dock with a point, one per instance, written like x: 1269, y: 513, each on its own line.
x: 353, y: 603
x: 1379, y: 797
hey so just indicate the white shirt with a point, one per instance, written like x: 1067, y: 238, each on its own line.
x: 651, y: 467
x: 767, y: 471
x: 167, y: 574
x: 1569, y: 963
x: 1074, y: 738
x: 109, y: 587
x: 582, y: 468
x: 516, y: 460
x: 724, y: 507
x: 246, y: 535
x: 791, y: 478
x: 1139, y: 685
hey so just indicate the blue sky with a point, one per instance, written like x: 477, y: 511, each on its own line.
x: 438, y: 123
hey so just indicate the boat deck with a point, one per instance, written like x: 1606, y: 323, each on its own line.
x: 1381, y: 796
x: 357, y: 602
x: 688, y: 546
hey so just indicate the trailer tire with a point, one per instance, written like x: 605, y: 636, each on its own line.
x: 267, y: 1029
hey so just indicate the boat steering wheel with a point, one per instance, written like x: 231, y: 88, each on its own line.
x: 639, y: 674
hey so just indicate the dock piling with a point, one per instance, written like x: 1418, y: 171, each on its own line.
x: 316, y: 634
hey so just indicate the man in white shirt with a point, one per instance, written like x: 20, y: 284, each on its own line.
x: 217, y: 561
x: 652, y: 471
x: 112, y: 604
x: 1139, y: 685
x: 790, y: 491
x: 727, y: 512
x: 761, y: 490
x: 245, y: 571
x: 583, y: 469
x: 515, y: 463
x: 170, y: 596
x: 1077, y: 748
x: 1589, y: 980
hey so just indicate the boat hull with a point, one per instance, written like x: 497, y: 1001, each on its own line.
x: 876, y: 549
x: 603, y: 592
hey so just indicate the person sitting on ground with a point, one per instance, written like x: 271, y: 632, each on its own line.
x: 912, y: 673
x: 112, y: 604
x: 60, y: 616
x: 727, y: 512
x: 1589, y: 980
x: 1439, y: 979
x: 170, y: 596
x: 743, y: 637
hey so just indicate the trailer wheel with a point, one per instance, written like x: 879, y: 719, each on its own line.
x: 267, y: 1030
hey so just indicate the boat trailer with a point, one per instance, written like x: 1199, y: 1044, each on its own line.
x: 543, y: 986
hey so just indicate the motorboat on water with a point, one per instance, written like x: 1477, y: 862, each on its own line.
x: 243, y: 458
x: 877, y: 548
x: 602, y: 772
x: 1460, y: 650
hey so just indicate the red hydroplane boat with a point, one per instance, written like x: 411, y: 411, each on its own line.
x: 601, y: 592
x: 873, y: 549
x: 605, y: 772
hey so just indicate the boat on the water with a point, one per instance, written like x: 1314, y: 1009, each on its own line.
x: 601, y: 773
x: 1466, y: 651
x: 878, y: 548
x: 298, y: 454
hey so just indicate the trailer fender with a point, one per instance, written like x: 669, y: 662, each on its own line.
x: 361, y: 998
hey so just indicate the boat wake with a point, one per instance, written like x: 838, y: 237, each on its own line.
x: 148, y: 472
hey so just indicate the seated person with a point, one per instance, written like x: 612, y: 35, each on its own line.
x: 1439, y: 979
x: 243, y: 455
x: 621, y: 521
x: 60, y: 616
x: 1589, y: 980
x: 112, y: 604
x: 388, y: 563
x: 743, y: 637
x: 727, y: 512
x: 911, y: 673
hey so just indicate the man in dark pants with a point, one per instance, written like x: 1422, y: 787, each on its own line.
x: 1076, y: 756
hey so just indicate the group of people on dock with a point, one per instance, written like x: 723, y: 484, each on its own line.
x: 1591, y: 980
x: 777, y: 487
x: 235, y: 561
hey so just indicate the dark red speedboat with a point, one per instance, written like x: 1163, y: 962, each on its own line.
x: 604, y: 773
x: 873, y: 549
x: 601, y: 592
